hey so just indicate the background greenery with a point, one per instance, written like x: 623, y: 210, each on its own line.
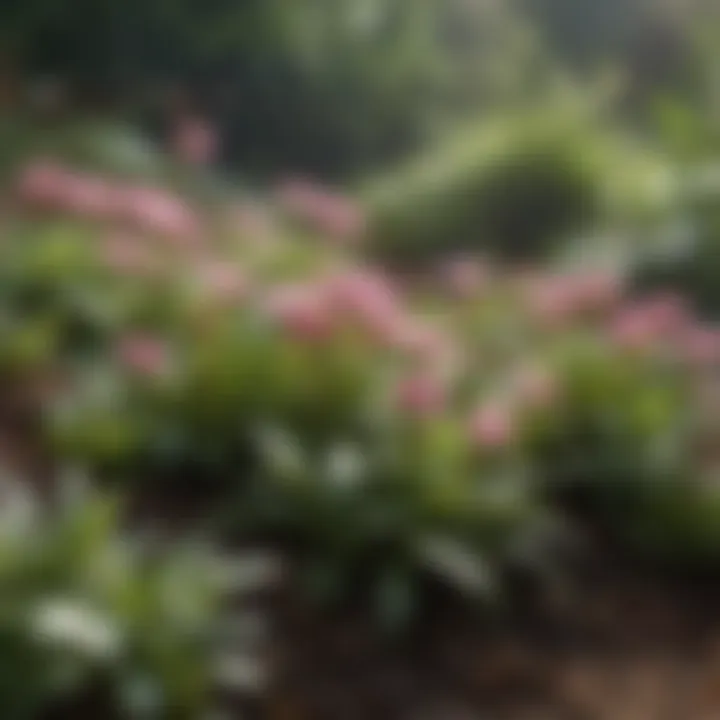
x: 506, y: 303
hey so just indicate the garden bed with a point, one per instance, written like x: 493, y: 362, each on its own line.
x: 408, y: 447
x: 625, y: 642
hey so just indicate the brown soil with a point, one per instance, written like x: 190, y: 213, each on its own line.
x: 619, y: 647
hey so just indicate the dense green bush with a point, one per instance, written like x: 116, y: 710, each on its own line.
x: 519, y: 187
x: 427, y: 416
x: 301, y: 394
x: 685, y: 125
x: 300, y: 386
x: 89, y: 613
x: 260, y: 376
x: 688, y: 250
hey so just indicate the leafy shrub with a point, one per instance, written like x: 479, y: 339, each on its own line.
x: 300, y: 386
x: 517, y: 188
x: 88, y: 612
x: 694, y: 231
x: 634, y: 447
x: 322, y: 400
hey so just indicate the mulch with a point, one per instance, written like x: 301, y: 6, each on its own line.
x: 623, y: 642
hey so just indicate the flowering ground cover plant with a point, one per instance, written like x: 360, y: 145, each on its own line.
x: 295, y: 376
x: 256, y: 357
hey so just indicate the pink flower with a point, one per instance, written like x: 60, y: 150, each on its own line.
x: 144, y: 354
x: 302, y: 310
x: 553, y: 301
x: 160, y: 212
x: 51, y: 186
x: 325, y: 211
x: 492, y: 426
x: 195, y: 141
x: 367, y: 298
x: 701, y: 346
x: 369, y: 301
x: 224, y: 280
x: 89, y: 196
x: 43, y: 183
x: 597, y: 290
x: 126, y: 254
x: 668, y: 312
x: 465, y: 277
x: 658, y: 319
x: 634, y: 329
x: 421, y: 394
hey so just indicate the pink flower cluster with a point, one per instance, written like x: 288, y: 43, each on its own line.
x: 343, y: 298
x: 665, y: 322
x: 49, y: 186
x: 557, y: 300
x: 702, y: 346
x: 362, y: 301
x: 421, y: 394
x: 324, y: 211
x: 302, y: 310
x: 643, y: 324
x: 368, y: 300
x: 493, y: 425
x: 158, y: 212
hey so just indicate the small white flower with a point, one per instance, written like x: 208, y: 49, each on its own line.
x: 19, y: 510
x: 345, y: 465
x: 241, y: 673
x: 76, y: 626
x: 463, y: 567
x: 282, y: 452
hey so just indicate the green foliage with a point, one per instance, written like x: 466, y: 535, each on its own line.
x: 95, y: 144
x: 362, y: 80
x: 383, y: 432
x: 84, y: 609
x: 296, y: 437
x: 691, y: 263
x: 517, y: 186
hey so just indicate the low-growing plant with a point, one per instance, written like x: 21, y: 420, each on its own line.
x: 301, y: 393
x: 99, y: 621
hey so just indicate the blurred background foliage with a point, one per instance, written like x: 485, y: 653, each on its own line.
x: 326, y: 85
x: 336, y: 87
